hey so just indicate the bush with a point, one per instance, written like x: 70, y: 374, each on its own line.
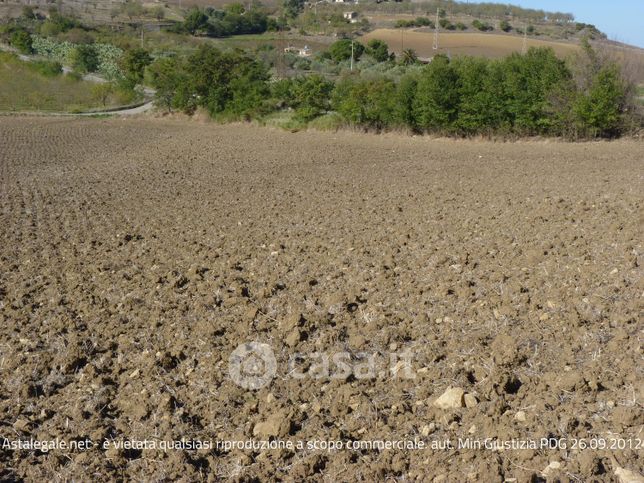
x: 195, y: 20
x: 437, y: 96
x: 311, y: 97
x: 21, y: 40
x: 47, y: 68
x: 423, y: 22
x: 528, y: 81
x: 84, y: 58
x: 446, y: 24
x: 483, y: 27
x: 226, y: 83
x: 367, y: 103
x: 341, y: 50
x: 133, y: 64
x: 599, y: 112
x: 505, y: 26
x: 379, y: 50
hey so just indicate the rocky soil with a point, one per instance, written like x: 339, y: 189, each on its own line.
x: 137, y: 255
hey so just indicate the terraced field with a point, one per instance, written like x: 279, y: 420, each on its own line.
x: 137, y: 257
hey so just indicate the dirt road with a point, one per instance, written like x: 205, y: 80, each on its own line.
x: 137, y: 257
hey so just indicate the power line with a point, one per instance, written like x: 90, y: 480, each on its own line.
x: 435, y: 46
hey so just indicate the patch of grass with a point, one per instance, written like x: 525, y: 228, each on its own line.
x: 327, y: 122
x: 26, y: 86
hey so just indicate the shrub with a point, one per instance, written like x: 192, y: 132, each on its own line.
x: 599, y: 112
x: 437, y: 96
x: 47, y: 68
x: 367, y: 103
x: 505, y: 26
x: 311, y: 96
x: 446, y: 24
x: 133, y: 64
x: 379, y: 50
x: 483, y: 27
x: 528, y: 82
x: 341, y: 50
x: 195, y: 20
x: 21, y: 40
x: 84, y: 58
x: 223, y: 83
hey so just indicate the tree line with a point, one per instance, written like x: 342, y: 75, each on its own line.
x: 531, y: 94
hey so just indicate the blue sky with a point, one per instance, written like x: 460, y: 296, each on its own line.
x: 621, y: 20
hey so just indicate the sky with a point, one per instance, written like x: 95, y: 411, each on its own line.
x: 621, y: 20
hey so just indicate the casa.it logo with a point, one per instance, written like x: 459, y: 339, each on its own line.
x: 252, y: 365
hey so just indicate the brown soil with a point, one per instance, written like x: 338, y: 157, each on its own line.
x: 136, y: 255
x: 487, y: 45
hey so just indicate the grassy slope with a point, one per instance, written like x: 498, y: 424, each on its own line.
x: 23, y: 89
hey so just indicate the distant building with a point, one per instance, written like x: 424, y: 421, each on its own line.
x: 351, y: 16
x: 302, y: 52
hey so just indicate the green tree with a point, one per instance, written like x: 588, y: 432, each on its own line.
x: 292, y: 8
x: 599, y: 111
x: 529, y: 81
x: 102, y: 92
x: 341, y: 50
x: 22, y: 41
x: 408, y: 57
x: 505, y: 26
x: 171, y: 81
x: 133, y: 64
x: 481, y: 96
x: 28, y: 13
x: 220, y: 82
x: 405, y: 98
x: 368, y: 103
x: 158, y: 12
x: 133, y: 9
x: 312, y: 95
x: 195, y: 20
x: 84, y: 58
x: 379, y: 50
x: 437, y: 97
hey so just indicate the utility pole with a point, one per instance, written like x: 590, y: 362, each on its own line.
x: 436, y: 31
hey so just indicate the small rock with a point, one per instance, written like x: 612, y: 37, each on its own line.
x: 470, y: 400
x: 551, y: 468
x: 277, y: 425
x: 290, y: 322
x: 270, y: 398
x: 627, y: 476
x: 293, y: 338
x: 21, y: 425
x: 520, y: 416
x: 427, y: 429
x: 452, y: 398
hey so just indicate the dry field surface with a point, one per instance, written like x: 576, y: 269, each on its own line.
x: 136, y: 255
x: 487, y: 45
